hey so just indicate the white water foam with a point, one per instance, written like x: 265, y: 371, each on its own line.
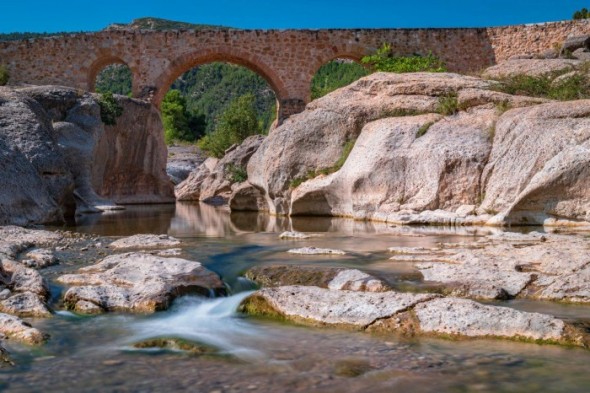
x: 213, y: 322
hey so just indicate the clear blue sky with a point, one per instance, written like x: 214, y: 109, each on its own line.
x: 52, y: 16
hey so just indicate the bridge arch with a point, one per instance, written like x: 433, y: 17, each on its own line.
x: 190, y: 60
x: 103, y: 61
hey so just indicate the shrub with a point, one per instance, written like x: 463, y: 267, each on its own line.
x: 4, y: 76
x: 235, y: 124
x: 503, y: 106
x: 385, y: 60
x: 448, y: 104
x: 574, y: 87
x: 110, y: 109
x: 236, y: 173
x: 179, y: 123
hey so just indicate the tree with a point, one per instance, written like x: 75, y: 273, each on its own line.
x: 581, y: 14
x: 334, y: 75
x: 179, y: 123
x: 235, y: 124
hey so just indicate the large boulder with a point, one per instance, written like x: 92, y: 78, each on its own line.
x: 538, y: 167
x: 137, y: 282
x: 130, y: 159
x: 36, y: 182
x: 215, y: 184
x: 314, y: 140
x: 393, y: 168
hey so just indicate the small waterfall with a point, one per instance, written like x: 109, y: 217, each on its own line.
x: 211, y: 321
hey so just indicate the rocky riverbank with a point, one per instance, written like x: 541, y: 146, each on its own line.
x: 419, y: 148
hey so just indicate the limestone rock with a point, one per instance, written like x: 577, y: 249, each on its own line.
x: 538, y: 167
x: 14, y: 328
x: 145, y: 241
x: 531, y: 67
x: 466, y: 318
x: 392, y: 172
x: 410, y: 313
x: 314, y: 140
x: 25, y: 304
x: 316, y: 251
x: 319, y: 276
x: 209, y: 184
x: 35, y: 182
x: 137, y: 282
x: 130, y: 159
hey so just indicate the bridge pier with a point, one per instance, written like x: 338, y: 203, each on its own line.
x: 288, y: 107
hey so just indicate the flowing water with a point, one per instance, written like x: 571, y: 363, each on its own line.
x: 98, y: 353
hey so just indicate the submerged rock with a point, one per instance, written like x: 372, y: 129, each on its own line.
x: 176, y: 344
x: 39, y: 258
x: 145, y: 241
x: 294, y: 235
x: 319, y: 276
x: 137, y: 282
x: 410, y: 313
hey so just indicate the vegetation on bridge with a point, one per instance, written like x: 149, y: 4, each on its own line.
x: 384, y: 59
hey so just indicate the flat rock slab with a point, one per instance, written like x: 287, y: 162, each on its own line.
x: 466, y: 318
x: 315, y: 251
x: 508, y: 265
x: 320, y: 276
x: 319, y: 306
x: 137, y: 282
x: 410, y: 313
x: 145, y: 241
x: 14, y: 328
x: 15, y: 234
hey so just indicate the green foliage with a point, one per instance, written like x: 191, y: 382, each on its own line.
x: 545, y: 86
x: 334, y: 75
x: 4, y: 76
x: 179, y: 123
x: 581, y: 14
x: 346, y: 149
x: 448, y: 104
x: 236, y: 173
x: 114, y: 78
x: 234, y: 125
x: 110, y: 109
x: 424, y: 129
x: 151, y: 23
x: 385, y: 60
x: 400, y: 112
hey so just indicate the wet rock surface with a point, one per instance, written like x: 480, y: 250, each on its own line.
x: 315, y: 251
x: 137, y: 282
x: 14, y: 328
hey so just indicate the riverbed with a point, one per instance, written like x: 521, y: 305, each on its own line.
x: 98, y: 353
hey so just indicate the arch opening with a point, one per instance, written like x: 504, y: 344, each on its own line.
x: 111, y: 75
x: 336, y: 73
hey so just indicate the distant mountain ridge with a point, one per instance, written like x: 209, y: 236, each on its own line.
x: 146, y: 23
x: 151, y: 23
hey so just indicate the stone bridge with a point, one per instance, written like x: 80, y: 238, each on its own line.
x: 287, y: 59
